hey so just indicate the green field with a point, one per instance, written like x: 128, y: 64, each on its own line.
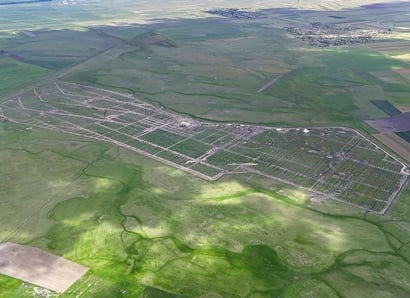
x: 99, y: 98
x: 15, y: 74
x: 206, y: 75
x: 39, y: 49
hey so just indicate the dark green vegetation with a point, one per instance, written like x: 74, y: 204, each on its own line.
x: 405, y: 135
x: 149, y: 230
x: 386, y: 107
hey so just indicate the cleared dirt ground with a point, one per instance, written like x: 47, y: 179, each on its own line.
x: 403, y: 71
x: 38, y: 267
x: 403, y: 109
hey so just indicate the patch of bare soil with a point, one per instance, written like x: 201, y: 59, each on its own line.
x: 39, y: 267
x: 403, y: 109
x: 403, y: 71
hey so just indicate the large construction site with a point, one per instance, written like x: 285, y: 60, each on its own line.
x: 335, y: 163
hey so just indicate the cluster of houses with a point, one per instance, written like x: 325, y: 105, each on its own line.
x: 323, y: 35
x: 233, y: 13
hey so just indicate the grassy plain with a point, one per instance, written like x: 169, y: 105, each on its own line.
x: 148, y: 230
x: 40, y: 48
x: 211, y: 68
x: 141, y: 225
x: 15, y: 74
x: 214, y: 70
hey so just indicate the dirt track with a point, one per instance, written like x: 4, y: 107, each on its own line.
x: 267, y: 85
x: 39, y: 267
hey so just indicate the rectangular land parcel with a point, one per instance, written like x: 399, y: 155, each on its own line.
x: 39, y: 267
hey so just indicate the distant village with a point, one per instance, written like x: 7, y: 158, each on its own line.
x: 233, y: 13
x: 323, y: 35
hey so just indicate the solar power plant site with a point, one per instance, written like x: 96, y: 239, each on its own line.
x: 337, y: 163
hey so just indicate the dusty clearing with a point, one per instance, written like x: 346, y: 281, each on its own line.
x: 396, y: 143
x: 39, y: 267
x: 403, y: 109
x: 403, y: 70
